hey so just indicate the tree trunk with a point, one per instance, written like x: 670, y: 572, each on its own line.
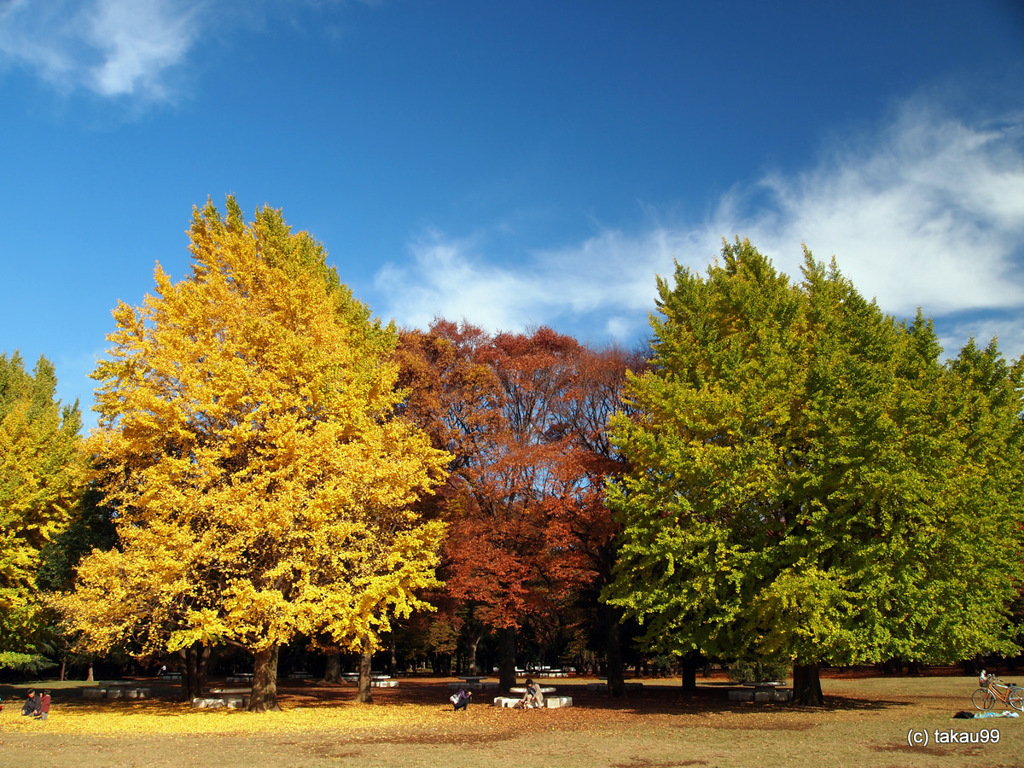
x: 332, y: 674
x: 193, y: 670
x: 613, y: 653
x: 691, y: 662
x: 363, y: 695
x: 89, y: 676
x: 807, y: 686
x: 507, y: 663
x: 474, y: 639
x: 264, y: 682
x: 186, y: 686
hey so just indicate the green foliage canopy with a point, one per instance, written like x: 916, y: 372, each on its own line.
x: 809, y: 482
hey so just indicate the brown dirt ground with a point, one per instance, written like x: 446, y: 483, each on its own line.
x: 867, y: 721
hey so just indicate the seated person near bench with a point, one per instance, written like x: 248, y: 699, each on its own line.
x: 32, y: 705
x: 534, y: 696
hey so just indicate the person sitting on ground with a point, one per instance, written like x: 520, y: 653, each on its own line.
x: 44, y: 706
x: 533, y: 697
x: 461, y: 699
x: 31, y: 705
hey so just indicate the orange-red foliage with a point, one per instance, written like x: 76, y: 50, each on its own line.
x: 524, y: 416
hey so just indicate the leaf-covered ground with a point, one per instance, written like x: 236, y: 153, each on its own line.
x: 867, y: 722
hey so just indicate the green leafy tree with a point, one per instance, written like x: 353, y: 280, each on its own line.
x: 807, y: 480
x: 40, y: 484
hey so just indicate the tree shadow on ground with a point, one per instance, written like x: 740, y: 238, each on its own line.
x: 653, y: 700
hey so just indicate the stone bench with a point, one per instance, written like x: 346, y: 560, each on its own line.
x: 227, y: 701
x: 761, y: 694
x: 116, y: 692
x: 550, y: 702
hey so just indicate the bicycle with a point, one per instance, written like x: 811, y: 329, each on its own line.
x: 993, y: 689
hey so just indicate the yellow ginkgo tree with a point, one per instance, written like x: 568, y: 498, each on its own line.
x: 249, y: 443
x: 40, y: 485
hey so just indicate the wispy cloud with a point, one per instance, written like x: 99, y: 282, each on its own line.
x: 608, y: 279
x: 112, y: 47
x: 928, y: 211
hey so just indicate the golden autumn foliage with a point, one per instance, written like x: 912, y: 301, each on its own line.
x: 248, y: 441
x: 40, y: 482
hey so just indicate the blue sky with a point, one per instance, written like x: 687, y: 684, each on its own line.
x: 514, y: 164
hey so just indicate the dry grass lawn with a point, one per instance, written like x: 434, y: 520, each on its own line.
x: 866, y: 723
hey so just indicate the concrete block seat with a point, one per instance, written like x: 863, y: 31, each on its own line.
x: 226, y: 701
x: 550, y: 702
x: 761, y: 693
x: 117, y: 691
x: 376, y: 680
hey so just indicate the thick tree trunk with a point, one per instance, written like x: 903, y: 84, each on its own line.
x: 332, y: 674
x: 807, y: 686
x: 691, y: 662
x: 264, y: 682
x: 194, y: 661
x: 363, y: 695
x: 613, y: 653
x: 202, y: 665
x: 89, y: 676
x: 507, y: 662
x: 474, y: 643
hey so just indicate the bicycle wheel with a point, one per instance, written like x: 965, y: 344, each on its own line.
x: 983, y: 699
x: 1015, y: 696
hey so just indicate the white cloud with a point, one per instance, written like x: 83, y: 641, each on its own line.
x: 932, y: 215
x: 448, y: 279
x: 928, y: 212
x: 139, y: 41
x: 610, y: 275
x: 112, y: 47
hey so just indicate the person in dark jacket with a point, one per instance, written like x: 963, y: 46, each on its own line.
x: 32, y: 704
